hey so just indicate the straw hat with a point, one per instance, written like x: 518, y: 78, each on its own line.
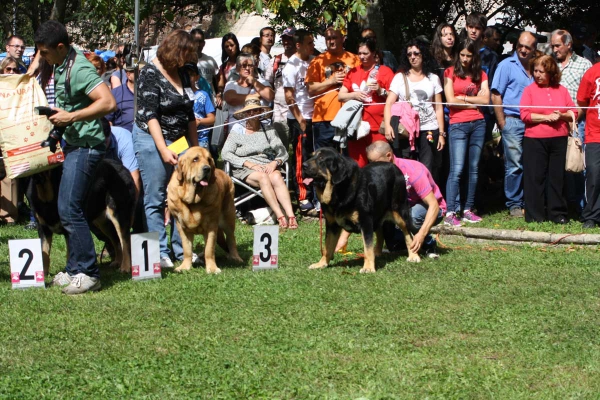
x: 251, y: 103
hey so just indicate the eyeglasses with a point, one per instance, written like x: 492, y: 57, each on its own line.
x: 17, y: 46
x: 10, y: 69
x: 247, y: 66
x: 413, y: 53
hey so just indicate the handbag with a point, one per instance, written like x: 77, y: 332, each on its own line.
x: 575, y: 160
x: 401, y: 131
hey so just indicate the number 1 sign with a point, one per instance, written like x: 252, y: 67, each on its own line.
x: 26, y: 265
x: 266, y: 247
x: 145, y: 256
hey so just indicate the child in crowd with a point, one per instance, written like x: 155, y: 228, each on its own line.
x: 204, y: 111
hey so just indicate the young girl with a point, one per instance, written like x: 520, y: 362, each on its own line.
x: 466, y: 87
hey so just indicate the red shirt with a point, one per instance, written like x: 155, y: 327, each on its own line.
x: 464, y: 87
x: 372, y: 114
x: 556, y: 98
x: 589, y: 92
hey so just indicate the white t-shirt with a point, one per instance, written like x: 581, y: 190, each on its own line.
x: 294, y: 74
x: 424, y: 90
x: 280, y: 109
x: 233, y: 85
x: 208, y: 69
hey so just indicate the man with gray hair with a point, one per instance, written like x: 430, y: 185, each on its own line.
x: 572, y: 68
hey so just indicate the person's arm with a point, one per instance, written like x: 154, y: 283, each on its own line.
x: 498, y: 109
x: 482, y: 98
x: 433, y: 209
x: 135, y: 175
x: 387, y: 115
x: 265, y: 91
x: 290, y: 100
x: 228, y: 153
x: 115, y: 81
x: 439, y: 115
x: 234, y: 98
x: 450, y: 98
x: 345, y: 95
x: 34, y: 65
x: 207, y: 121
x: 103, y: 103
x: 315, y: 88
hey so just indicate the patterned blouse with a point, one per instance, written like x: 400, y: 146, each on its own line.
x: 158, y: 99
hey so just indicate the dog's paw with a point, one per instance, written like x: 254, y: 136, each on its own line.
x: 414, y: 258
x: 184, y: 267
x: 214, y: 270
x: 124, y: 270
x: 317, y: 266
x: 236, y: 259
x: 365, y: 270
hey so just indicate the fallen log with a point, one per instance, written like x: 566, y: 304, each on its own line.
x: 519, y: 236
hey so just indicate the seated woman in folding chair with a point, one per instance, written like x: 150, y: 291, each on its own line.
x: 256, y: 154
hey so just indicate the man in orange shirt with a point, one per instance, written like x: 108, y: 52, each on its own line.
x: 327, y: 72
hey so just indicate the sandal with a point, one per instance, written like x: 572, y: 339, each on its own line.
x: 293, y: 224
x: 282, y: 222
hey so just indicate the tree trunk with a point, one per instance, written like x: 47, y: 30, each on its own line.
x: 58, y: 11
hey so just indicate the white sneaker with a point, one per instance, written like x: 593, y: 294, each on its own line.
x: 81, y: 283
x: 62, y: 279
x: 195, y: 259
x: 165, y: 262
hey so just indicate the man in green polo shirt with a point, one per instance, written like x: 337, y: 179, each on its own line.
x: 81, y: 99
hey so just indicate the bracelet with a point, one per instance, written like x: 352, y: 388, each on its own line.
x: 279, y: 162
x: 465, y: 99
x: 443, y: 134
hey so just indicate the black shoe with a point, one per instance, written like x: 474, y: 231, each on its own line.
x: 589, y: 224
x: 561, y: 221
x: 32, y: 225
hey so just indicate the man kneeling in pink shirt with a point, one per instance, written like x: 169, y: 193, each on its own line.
x: 426, y: 202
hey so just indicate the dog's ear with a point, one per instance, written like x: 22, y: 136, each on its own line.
x: 213, y: 168
x: 180, y: 168
x: 342, y: 170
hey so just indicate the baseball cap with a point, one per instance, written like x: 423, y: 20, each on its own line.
x: 289, y: 32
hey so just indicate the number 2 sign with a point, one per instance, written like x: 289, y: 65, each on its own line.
x: 266, y: 247
x: 26, y: 265
x: 145, y: 256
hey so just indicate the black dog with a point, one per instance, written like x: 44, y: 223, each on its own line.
x: 110, y: 207
x: 358, y: 200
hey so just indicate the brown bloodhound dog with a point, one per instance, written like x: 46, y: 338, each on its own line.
x: 200, y: 198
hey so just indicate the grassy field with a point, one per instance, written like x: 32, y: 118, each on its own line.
x: 483, y: 321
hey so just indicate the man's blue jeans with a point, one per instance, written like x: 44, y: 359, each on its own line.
x: 512, y: 141
x: 394, y: 236
x: 466, y: 143
x: 78, y: 171
x: 323, y: 134
x: 155, y: 177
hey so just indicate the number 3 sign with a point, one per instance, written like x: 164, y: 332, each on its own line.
x: 266, y: 247
x: 145, y: 256
x: 26, y: 265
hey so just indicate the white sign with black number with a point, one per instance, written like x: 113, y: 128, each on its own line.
x: 145, y: 256
x: 265, y: 253
x: 26, y: 263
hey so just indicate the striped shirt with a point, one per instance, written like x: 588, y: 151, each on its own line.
x: 572, y: 74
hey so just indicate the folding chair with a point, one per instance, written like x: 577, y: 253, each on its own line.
x: 252, y: 192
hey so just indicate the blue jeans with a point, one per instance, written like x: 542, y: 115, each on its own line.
x: 394, y: 236
x: 323, y: 134
x: 78, y: 171
x: 466, y: 142
x: 155, y: 177
x: 512, y: 141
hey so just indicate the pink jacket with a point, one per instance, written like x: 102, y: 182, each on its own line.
x: 409, y: 118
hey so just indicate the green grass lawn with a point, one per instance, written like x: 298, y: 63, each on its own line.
x: 483, y: 321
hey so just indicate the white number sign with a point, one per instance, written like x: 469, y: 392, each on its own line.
x: 145, y: 256
x: 26, y: 265
x: 266, y: 247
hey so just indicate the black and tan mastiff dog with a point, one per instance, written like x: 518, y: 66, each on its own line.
x: 358, y: 200
x: 201, y: 200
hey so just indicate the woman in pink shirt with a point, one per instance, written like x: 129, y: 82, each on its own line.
x: 545, y: 142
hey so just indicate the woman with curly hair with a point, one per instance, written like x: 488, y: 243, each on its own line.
x: 545, y: 141
x: 424, y: 88
x: 165, y: 114
x: 466, y: 88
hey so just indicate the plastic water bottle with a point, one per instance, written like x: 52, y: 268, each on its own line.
x: 370, y: 80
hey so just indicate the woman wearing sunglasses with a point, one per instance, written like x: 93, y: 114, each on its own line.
x: 247, y: 83
x: 9, y: 66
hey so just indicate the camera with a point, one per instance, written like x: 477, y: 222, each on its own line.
x: 55, y: 134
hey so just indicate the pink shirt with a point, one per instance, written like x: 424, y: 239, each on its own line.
x: 419, y: 182
x: 555, y: 98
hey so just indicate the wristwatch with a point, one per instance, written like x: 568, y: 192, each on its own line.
x: 383, y: 92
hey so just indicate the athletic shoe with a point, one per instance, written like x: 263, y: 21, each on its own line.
x: 61, y: 279
x: 306, y: 205
x: 165, y: 262
x: 82, y: 283
x: 516, y: 212
x: 589, y: 224
x: 32, y: 225
x: 469, y: 216
x: 451, y: 220
x: 430, y: 249
x: 195, y: 259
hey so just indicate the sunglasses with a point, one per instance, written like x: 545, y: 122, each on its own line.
x: 413, y: 53
x: 248, y: 66
x: 10, y: 69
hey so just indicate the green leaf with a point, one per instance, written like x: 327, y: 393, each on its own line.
x: 327, y: 16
